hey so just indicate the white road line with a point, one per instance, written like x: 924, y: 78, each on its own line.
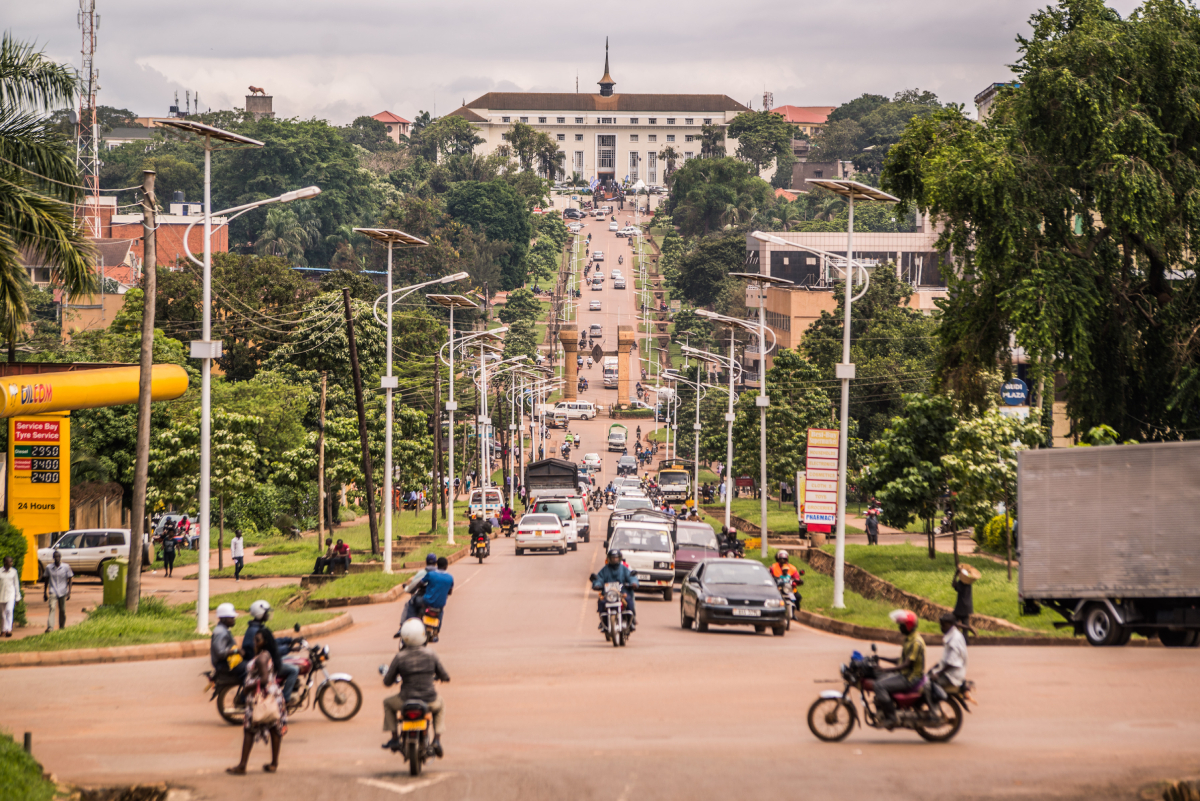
x: 405, y: 789
x: 587, y: 594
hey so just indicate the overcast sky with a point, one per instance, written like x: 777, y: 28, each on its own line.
x: 338, y: 60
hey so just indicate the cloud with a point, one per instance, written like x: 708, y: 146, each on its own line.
x: 361, y: 56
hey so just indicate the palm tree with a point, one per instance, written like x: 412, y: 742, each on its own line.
x: 712, y: 141
x: 283, y: 235
x: 669, y: 156
x: 39, y: 185
x: 550, y: 158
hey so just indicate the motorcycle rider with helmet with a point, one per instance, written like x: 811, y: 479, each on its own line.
x: 480, y: 528
x: 417, y: 667
x: 416, y: 591
x: 781, y: 566
x: 260, y: 611
x: 910, y: 667
x: 615, y: 571
x: 227, y: 662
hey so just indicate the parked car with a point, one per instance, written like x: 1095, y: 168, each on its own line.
x: 540, y: 532
x: 86, y: 550
x: 595, y: 305
x: 731, y: 592
x: 694, y: 542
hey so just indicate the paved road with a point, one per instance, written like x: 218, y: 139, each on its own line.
x: 540, y: 707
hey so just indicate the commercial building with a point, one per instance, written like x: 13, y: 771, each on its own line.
x: 606, y: 135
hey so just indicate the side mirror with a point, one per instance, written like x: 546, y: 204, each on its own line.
x: 296, y: 628
x: 873, y: 650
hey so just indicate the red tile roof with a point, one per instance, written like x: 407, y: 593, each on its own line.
x: 387, y: 116
x: 805, y: 115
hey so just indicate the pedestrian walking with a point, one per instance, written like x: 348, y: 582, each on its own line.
x: 237, y: 550
x: 57, y: 591
x: 10, y: 594
x: 964, y: 605
x: 168, y: 550
x: 872, y: 522
x: 266, y: 713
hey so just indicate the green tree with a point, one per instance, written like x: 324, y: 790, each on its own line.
x: 521, y: 305
x: 521, y: 339
x: 864, y: 129
x: 496, y: 209
x: 709, y: 194
x: 906, y: 468
x: 712, y: 141
x: 784, y: 162
x: 370, y: 134
x: 1075, y: 236
x: 283, y: 236
x: 522, y: 138
x: 762, y: 136
x: 840, y: 140
x: 38, y: 185
x: 668, y: 156
x: 451, y: 136
x: 704, y: 270
x: 549, y: 158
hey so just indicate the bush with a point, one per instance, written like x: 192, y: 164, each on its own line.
x: 12, y: 543
x: 20, y: 774
x: 992, y: 538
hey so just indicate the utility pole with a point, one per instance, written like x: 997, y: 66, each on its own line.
x: 321, y: 464
x: 362, y: 425
x: 438, y: 476
x: 141, y: 464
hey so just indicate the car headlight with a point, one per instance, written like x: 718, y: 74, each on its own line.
x: 715, y: 600
x: 773, y: 603
x: 664, y: 565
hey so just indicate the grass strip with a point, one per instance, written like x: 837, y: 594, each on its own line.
x: 20, y: 774
x: 360, y: 584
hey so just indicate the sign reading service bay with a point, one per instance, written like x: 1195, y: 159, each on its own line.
x: 820, y: 477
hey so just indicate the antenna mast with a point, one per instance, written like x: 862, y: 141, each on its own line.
x: 87, y: 131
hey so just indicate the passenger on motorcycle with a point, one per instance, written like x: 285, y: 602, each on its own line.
x: 226, y: 657
x: 275, y: 646
x: 910, y: 667
x: 781, y: 566
x: 952, y: 669
x: 506, y: 516
x: 416, y: 591
x: 417, y: 667
x: 615, y: 570
x: 479, y: 528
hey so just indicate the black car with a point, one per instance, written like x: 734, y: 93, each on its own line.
x: 572, y: 214
x: 627, y: 466
x: 731, y: 592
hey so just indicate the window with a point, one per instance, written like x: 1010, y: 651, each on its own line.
x: 634, y: 138
x: 821, y: 174
x: 689, y: 138
x: 689, y: 121
x: 579, y: 163
x: 606, y: 154
x: 708, y: 121
x: 670, y: 137
x: 563, y: 138
x: 524, y: 119
x: 633, y: 166
x: 606, y: 120
x: 688, y: 157
x: 654, y: 138
x: 670, y: 120
x: 509, y: 119
x: 579, y: 121
x: 542, y: 120
x: 390, y: 130
x: 579, y: 138
x: 561, y: 120
x: 654, y: 121
x: 651, y: 167
x: 634, y: 121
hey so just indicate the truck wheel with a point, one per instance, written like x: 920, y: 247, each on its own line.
x: 1100, y: 627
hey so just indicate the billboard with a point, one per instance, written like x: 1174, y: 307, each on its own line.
x: 821, y: 478
x: 39, y: 479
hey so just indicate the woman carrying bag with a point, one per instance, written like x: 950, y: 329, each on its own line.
x: 266, y: 713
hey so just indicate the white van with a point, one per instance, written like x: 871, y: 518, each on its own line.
x: 576, y: 409
x: 647, y: 548
x: 485, y: 502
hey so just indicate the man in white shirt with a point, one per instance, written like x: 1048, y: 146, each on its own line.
x: 57, y: 591
x: 952, y: 669
x: 237, y: 549
x: 10, y: 594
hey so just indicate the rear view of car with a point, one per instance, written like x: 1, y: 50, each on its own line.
x: 540, y: 532
x: 562, y: 509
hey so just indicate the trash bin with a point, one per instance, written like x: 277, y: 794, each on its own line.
x: 112, y: 575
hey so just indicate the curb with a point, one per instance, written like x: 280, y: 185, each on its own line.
x: 149, y: 651
x: 379, y: 597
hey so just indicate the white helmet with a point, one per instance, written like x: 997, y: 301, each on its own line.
x: 226, y: 610
x: 412, y: 633
x: 260, y: 610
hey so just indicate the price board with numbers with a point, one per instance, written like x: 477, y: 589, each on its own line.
x: 39, y: 479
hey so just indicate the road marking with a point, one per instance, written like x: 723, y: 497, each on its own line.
x: 587, y: 594
x: 405, y: 789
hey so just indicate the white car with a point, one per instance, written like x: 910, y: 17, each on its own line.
x: 540, y: 532
x: 598, y: 255
x: 576, y: 228
x: 595, y: 305
x: 633, y: 230
x: 86, y: 550
x: 592, y: 460
x: 566, y: 514
x: 647, y: 548
x: 614, y: 226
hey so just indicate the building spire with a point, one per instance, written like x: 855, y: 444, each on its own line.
x: 606, y: 83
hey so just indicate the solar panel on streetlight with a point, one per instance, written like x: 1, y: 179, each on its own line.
x: 453, y: 301
x: 393, y: 237
x: 853, y: 189
x: 209, y: 131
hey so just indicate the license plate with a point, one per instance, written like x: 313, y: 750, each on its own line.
x: 747, y: 613
x: 430, y: 621
x: 643, y: 576
x: 537, y: 533
x: 413, y: 725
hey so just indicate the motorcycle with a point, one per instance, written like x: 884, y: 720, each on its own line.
x: 432, y: 618
x: 620, y: 259
x: 508, y: 527
x: 480, y: 547
x: 415, y: 744
x: 336, y: 694
x: 617, y: 619
x: 932, y: 711
x: 791, y: 597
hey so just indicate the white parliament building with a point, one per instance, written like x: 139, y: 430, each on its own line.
x: 608, y: 136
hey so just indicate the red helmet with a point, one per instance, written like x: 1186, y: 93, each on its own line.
x: 905, y: 619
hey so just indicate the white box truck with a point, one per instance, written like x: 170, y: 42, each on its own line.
x: 1109, y: 538
x: 610, y: 372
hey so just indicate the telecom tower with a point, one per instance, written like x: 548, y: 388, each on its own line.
x: 768, y: 100
x: 87, y: 133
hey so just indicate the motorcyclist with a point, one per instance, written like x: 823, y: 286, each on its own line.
x: 260, y: 611
x: 910, y: 667
x: 638, y: 435
x: 417, y: 667
x: 480, y: 529
x: 416, y: 590
x: 615, y: 571
x: 227, y: 662
x: 507, y: 518
x: 782, y: 566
